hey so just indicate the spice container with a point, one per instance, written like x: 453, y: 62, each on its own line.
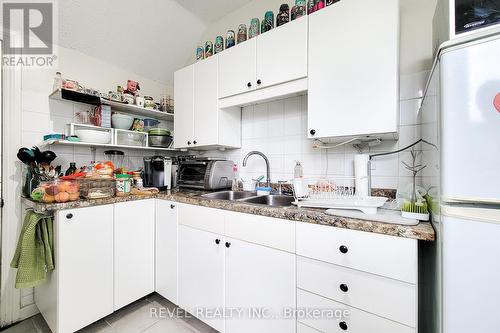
x: 57, y: 191
x: 123, y: 185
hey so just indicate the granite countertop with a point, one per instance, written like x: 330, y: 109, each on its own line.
x: 423, y: 231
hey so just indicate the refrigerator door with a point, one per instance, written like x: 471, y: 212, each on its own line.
x: 470, y: 269
x: 470, y: 122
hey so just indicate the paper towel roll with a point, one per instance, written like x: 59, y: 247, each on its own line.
x: 361, y: 174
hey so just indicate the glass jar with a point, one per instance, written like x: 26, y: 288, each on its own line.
x: 123, y: 185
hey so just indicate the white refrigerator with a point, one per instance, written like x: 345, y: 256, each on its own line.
x: 460, y: 117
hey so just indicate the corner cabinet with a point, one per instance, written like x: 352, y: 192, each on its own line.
x: 354, y: 69
x: 199, y: 123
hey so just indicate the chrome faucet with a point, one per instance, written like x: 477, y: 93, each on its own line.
x: 268, y: 168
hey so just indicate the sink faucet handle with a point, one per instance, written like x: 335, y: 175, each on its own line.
x: 280, y: 186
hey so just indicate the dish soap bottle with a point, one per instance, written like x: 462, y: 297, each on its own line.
x: 298, y: 171
x: 235, y: 185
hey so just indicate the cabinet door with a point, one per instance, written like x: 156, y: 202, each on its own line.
x: 184, y: 107
x: 354, y: 69
x: 259, y: 277
x: 201, y: 274
x: 134, y: 251
x: 237, y: 68
x: 84, y: 266
x: 166, y: 250
x: 206, y: 103
x: 282, y: 54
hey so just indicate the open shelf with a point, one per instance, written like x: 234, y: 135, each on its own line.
x: 87, y: 144
x: 78, y: 97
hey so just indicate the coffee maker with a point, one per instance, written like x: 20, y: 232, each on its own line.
x: 158, y: 172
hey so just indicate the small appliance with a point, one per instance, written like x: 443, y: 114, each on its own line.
x: 158, y: 172
x: 206, y: 173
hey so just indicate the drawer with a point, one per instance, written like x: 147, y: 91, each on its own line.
x: 392, y: 299
x: 389, y: 256
x: 266, y: 231
x: 301, y: 328
x: 203, y: 218
x: 352, y: 320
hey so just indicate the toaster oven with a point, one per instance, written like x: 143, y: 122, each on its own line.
x: 206, y: 174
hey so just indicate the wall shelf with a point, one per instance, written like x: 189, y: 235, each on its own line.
x: 78, y: 97
x: 96, y: 145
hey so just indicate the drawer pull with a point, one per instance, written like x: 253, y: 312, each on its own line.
x: 343, y: 325
x: 228, y: 245
x: 217, y: 241
x: 344, y: 287
x: 343, y: 249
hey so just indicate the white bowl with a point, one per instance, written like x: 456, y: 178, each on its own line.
x: 93, y: 136
x: 121, y: 121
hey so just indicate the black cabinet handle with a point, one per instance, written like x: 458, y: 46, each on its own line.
x: 343, y: 325
x: 344, y: 287
x: 249, y: 84
x: 343, y: 249
x: 194, y: 142
x: 172, y: 206
x: 217, y: 241
x: 228, y: 245
x: 313, y: 132
x: 259, y: 82
x: 189, y: 143
x: 69, y: 216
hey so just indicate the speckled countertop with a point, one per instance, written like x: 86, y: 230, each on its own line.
x: 422, y: 231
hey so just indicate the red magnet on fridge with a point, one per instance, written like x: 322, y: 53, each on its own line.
x: 496, y: 102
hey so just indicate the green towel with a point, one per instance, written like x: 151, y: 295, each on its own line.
x: 34, y: 252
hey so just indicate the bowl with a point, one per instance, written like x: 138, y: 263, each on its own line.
x: 93, y: 136
x: 121, y: 121
x: 161, y: 141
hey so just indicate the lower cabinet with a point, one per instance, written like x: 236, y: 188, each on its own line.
x: 134, y: 239
x: 166, y: 250
x: 261, y: 282
x: 80, y: 289
x: 201, y: 275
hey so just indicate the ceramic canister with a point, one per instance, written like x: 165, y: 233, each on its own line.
x: 199, y: 53
x: 219, y: 44
x: 283, y: 16
x: 209, y: 49
x: 268, y: 21
x: 242, y: 33
x: 230, y: 39
x: 254, y: 28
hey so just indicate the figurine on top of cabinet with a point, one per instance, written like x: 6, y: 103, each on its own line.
x: 268, y: 23
x: 132, y: 88
x: 209, y: 49
x: 242, y: 33
x: 283, y: 16
x: 299, y: 9
x: 199, y: 53
x: 254, y: 30
x: 230, y: 39
x: 219, y: 44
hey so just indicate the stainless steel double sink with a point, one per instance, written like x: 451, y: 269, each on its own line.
x: 252, y: 198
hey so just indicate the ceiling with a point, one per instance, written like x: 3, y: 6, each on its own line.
x: 152, y: 38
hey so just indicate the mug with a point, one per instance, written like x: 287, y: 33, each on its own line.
x: 139, y: 101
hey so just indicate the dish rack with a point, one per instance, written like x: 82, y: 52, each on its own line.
x: 334, y: 193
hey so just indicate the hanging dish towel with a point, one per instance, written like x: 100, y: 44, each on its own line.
x: 34, y: 252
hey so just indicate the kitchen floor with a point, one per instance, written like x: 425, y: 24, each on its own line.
x: 135, y: 318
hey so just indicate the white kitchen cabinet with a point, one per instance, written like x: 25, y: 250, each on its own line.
x: 80, y: 289
x: 237, y: 69
x: 166, y: 250
x: 184, y: 106
x: 134, y: 247
x: 354, y: 69
x: 199, y: 123
x: 282, y: 54
x: 258, y: 277
x: 201, y: 274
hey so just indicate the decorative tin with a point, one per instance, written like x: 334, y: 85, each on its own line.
x: 283, y: 16
x: 310, y: 7
x: 315, y: 5
x: 319, y: 4
x: 200, y: 54
x: 299, y: 9
x: 230, y: 39
x: 268, y: 21
x: 331, y: 2
x: 219, y: 44
x: 254, y: 28
x: 209, y: 49
x: 262, y: 28
x: 242, y: 33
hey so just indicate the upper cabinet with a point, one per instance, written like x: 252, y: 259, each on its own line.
x: 199, y: 123
x: 275, y: 57
x: 354, y: 69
